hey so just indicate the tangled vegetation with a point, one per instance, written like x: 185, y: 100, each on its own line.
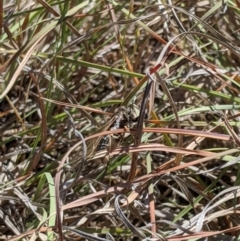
x: 119, y: 120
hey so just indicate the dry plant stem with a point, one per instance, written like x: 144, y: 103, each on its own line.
x: 151, y: 198
x: 37, y: 157
x: 16, y: 112
x: 50, y: 9
x: 166, y: 91
x: 114, y: 20
x: 139, y: 129
x: 131, y: 69
x: 230, y: 129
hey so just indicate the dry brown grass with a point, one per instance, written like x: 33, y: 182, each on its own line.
x: 66, y: 67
